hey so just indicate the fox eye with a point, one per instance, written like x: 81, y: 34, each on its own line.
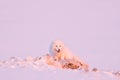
x: 59, y: 45
x: 56, y: 46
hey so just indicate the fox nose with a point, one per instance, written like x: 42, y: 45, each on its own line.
x: 58, y: 50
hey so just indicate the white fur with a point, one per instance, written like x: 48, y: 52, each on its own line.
x: 61, y: 52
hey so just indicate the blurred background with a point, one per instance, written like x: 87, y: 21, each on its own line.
x: 90, y: 29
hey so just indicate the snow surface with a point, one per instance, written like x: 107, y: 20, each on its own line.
x: 36, y: 69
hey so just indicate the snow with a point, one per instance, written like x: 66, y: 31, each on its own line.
x: 29, y: 69
x: 52, y: 74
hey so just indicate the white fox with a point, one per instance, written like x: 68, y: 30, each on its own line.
x: 61, y: 52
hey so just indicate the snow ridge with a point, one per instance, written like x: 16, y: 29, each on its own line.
x: 43, y: 63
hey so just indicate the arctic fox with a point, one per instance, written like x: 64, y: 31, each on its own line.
x: 61, y: 52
